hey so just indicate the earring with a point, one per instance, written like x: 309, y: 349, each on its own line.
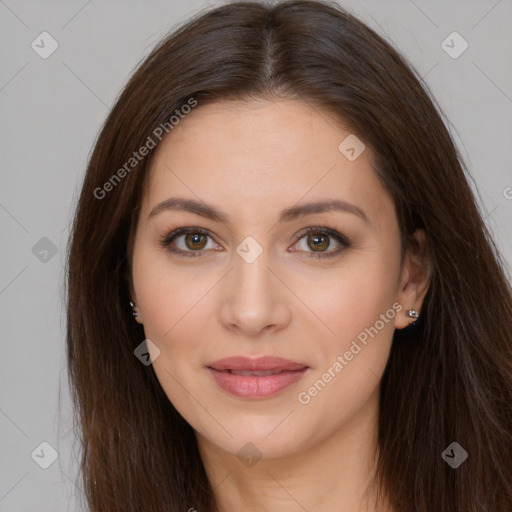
x: 134, y: 313
x: 412, y: 313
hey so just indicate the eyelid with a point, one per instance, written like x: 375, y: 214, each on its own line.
x: 324, y: 230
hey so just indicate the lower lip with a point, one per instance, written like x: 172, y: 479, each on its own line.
x: 256, y: 387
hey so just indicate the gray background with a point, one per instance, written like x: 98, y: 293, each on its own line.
x: 51, y: 111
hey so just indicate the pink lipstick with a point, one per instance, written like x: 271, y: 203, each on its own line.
x: 256, y: 378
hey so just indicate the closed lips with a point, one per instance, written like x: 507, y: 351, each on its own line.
x: 259, y: 378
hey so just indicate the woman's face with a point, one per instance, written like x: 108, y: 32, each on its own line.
x: 249, y: 281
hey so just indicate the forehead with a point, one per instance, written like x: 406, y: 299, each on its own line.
x: 262, y: 153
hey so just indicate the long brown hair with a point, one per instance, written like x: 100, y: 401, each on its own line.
x: 449, y: 379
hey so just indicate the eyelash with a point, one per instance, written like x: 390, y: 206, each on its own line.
x: 341, y: 239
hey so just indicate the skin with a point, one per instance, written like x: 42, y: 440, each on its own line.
x: 252, y: 160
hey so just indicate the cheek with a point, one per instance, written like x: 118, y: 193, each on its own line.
x: 172, y: 316
x: 351, y: 363
x: 174, y: 304
x: 358, y: 310
x: 355, y: 296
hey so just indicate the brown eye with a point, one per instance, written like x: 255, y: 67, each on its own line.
x: 195, y: 241
x: 318, y: 243
x: 315, y: 242
x: 188, y: 241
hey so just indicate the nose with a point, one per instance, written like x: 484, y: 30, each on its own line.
x: 255, y: 299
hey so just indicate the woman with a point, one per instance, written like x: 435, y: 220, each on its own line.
x: 281, y: 293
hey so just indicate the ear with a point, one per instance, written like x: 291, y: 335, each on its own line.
x: 415, y: 278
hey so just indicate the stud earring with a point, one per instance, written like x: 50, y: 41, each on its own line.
x: 412, y: 313
x: 132, y: 305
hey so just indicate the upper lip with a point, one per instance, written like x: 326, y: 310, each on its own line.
x: 261, y: 363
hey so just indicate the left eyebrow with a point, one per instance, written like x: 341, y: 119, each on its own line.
x: 287, y: 215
